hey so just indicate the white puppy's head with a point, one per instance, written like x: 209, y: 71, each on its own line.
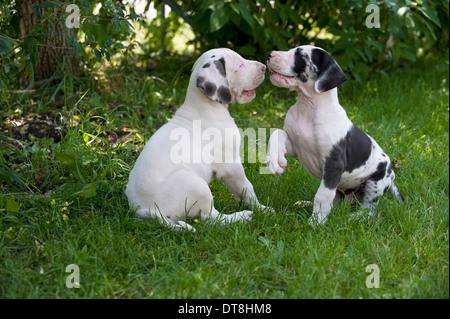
x: 305, y: 67
x: 226, y: 77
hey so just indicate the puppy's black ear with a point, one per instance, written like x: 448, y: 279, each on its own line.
x: 329, y: 73
x: 212, y: 80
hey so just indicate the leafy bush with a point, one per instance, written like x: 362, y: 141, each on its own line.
x: 407, y: 29
x: 100, y: 35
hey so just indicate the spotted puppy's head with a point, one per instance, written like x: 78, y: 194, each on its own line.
x: 305, y: 67
x: 226, y: 77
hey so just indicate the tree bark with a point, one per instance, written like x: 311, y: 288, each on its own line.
x: 53, y: 54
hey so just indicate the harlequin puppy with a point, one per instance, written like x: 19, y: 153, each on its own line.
x: 318, y: 132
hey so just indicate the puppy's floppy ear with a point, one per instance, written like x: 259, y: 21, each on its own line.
x: 329, y: 73
x: 212, y: 80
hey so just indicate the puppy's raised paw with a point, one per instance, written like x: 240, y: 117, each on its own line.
x: 276, y: 164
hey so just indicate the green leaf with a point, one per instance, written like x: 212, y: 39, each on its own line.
x: 119, y: 46
x: 98, y: 55
x: 108, y: 43
x: 106, y: 53
x: 294, y: 16
x: 88, y: 191
x: 218, y: 19
x: 430, y: 14
x: 5, y: 45
x: 12, y: 206
x: 246, y: 14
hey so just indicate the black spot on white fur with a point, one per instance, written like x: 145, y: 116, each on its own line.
x: 349, y: 153
x: 224, y: 94
x: 200, y: 81
x: 299, y: 63
x: 380, y: 172
x: 220, y: 66
x: 209, y: 88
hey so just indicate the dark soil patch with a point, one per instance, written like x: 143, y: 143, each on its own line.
x: 40, y: 126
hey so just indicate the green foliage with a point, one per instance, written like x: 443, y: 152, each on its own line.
x: 103, y: 33
x: 407, y: 31
x: 253, y: 28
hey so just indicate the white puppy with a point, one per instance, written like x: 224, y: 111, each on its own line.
x: 318, y: 132
x: 171, y: 177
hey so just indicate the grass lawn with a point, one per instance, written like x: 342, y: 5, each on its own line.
x: 73, y: 209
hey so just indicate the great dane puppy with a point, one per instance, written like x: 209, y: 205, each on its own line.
x: 318, y: 132
x: 171, y: 176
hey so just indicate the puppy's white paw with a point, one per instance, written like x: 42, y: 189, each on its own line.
x: 186, y: 226
x: 276, y: 162
x: 245, y: 216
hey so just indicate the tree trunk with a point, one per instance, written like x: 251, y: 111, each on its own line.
x: 53, y: 54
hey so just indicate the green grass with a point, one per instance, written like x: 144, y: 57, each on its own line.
x: 77, y: 213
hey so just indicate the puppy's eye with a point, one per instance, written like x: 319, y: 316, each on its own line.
x: 242, y: 66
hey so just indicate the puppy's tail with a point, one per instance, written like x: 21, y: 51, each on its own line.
x: 395, y: 191
x: 178, y: 226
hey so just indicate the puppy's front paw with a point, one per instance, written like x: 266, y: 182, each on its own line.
x: 276, y: 162
x: 245, y: 216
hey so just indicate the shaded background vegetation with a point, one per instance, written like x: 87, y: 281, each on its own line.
x: 408, y: 30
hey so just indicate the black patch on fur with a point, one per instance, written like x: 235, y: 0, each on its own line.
x: 380, y: 172
x: 213, y: 56
x: 210, y: 88
x: 329, y: 74
x: 224, y: 94
x: 206, y: 65
x: 220, y: 66
x: 333, y: 169
x: 358, y: 148
x: 349, y: 153
x: 200, y: 81
x: 299, y: 63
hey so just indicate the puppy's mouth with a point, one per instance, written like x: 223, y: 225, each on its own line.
x: 248, y: 93
x: 279, y: 75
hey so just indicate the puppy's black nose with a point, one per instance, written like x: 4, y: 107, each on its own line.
x: 270, y: 55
